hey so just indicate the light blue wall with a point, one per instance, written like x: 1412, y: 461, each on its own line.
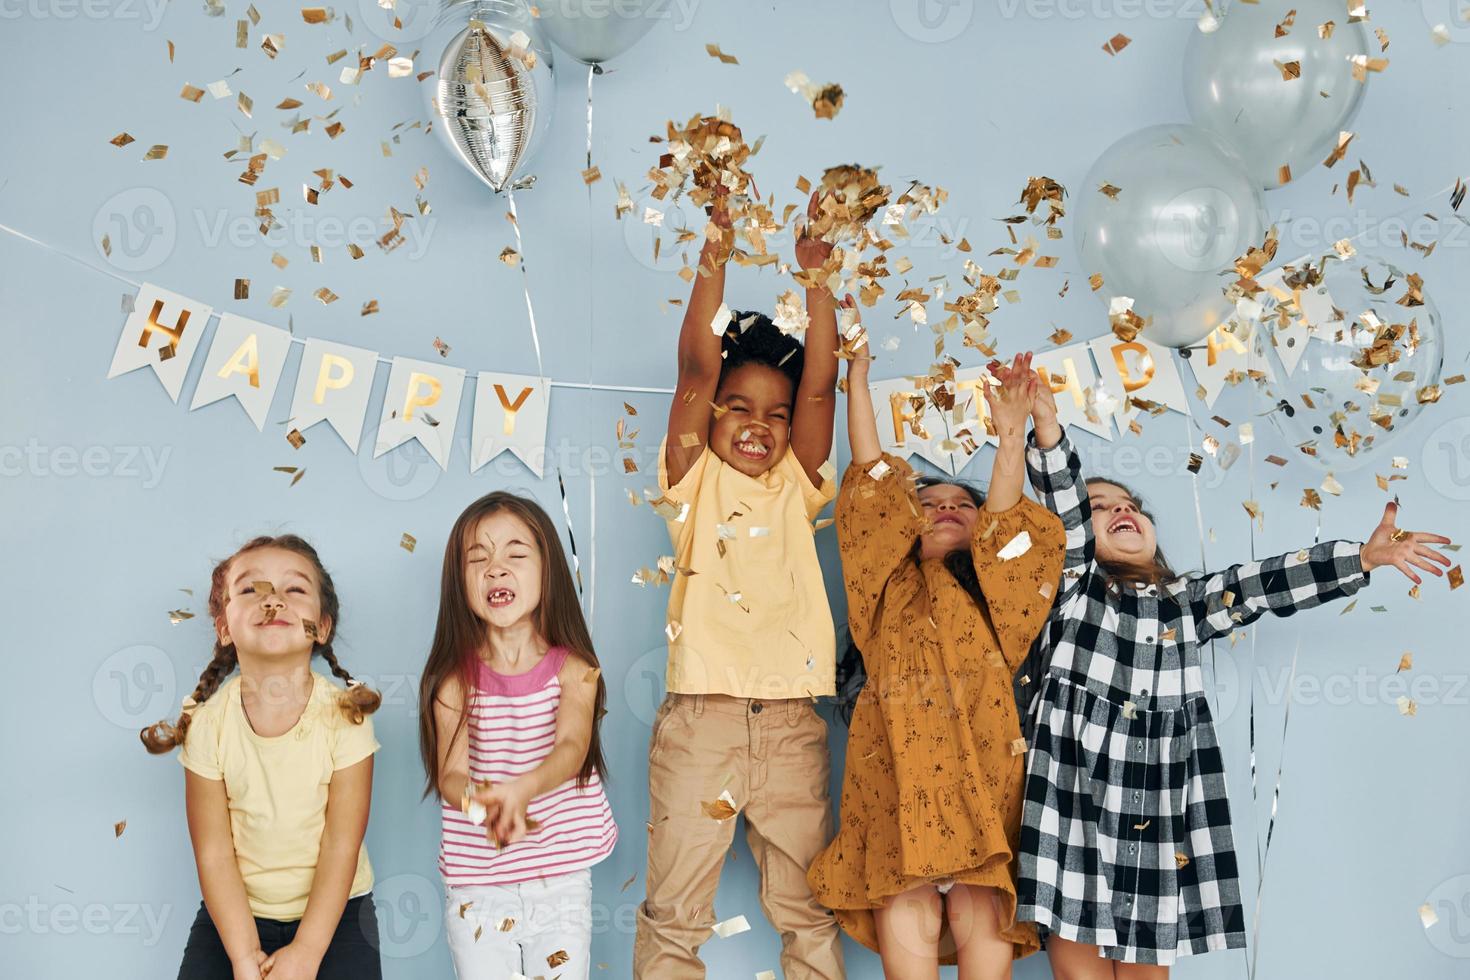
x: 974, y: 97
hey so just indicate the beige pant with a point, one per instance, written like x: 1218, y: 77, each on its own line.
x: 772, y: 758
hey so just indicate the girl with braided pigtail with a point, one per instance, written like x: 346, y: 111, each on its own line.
x: 278, y: 779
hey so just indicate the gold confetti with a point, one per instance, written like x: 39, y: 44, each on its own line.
x: 1427, y: 916
x: 279, y: 296
x: 121, y: 140
x: 107, y: 245
x: 326, y: 296
x: 1110, y: 192
x: 408, y: 542
x: 1290, y: 70
x: 715, y: 52
x: 510, y: 256
x: 177, y: 616
x: 156, y: 152
x: 1180, y: 860
x: 1018, y: 746
x: 191, y: 94
x: 314, y: 15
x: 118, y: 828
x: 1406, y: 662
x: 242, y: 288
x: 591, y: 175
x: 441, y: 347
x: 1456, y: 576
x: 369, y: 308
x: 722, y: 808
x: 1117, y: 43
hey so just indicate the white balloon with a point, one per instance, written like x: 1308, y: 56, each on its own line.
x: 1234, y: 84
x: 592, y: 31
x: 1183, y: 211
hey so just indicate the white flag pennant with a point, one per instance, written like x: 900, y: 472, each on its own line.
x: 333, y: 383
x: 245, y: 359
x: 1072, y: 378
x: 422, y: 402
x: 162, y: 332
x: 1312, y: 311
x: 909, y: 422
x: 1141, y: 369
x: 1231, y: 347
x: 510, y: 414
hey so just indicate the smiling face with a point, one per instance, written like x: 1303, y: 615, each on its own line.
x: 271, y: 622
x: 1123, y: 533
x: 502, y: 570
x: 752, y: 434
x: 951, y: 512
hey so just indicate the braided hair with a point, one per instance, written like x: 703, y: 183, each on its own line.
x: 356, y: 702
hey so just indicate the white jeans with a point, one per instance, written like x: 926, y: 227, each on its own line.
x: 532, y: 928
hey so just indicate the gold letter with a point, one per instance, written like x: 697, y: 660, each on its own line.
x: 325, y: 378
x: 246, y: 360
x: 902, y: 409
x: 511, y: 408
x: 173, y: 333
x: 411, y: 398
x: 1066, y: 382
x: 1145, y: 362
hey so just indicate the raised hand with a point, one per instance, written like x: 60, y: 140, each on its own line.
x: 1404, y: 550
x: 1010, y: 401
x: 811, y: 253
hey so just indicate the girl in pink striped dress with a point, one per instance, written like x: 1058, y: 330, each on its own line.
x: 509, y: 707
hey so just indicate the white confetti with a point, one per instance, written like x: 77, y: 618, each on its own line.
x: 722, y: 319
x: 731, y: 927
x: 1015, y: 547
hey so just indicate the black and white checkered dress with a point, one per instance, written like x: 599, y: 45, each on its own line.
x: 1125, y: 833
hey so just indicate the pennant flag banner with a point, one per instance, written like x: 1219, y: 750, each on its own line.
x: 162, y: 332
x: 333, y: 383
x: 422, y: 403
x: 510, y: 414
x: 245, y: 359
x: 1232, y: 350
x: 1313, y: 312
x: 1138, y: 369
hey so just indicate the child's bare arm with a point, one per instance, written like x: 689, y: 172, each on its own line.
x: 815, y: 409
x: 699, y: 353
x: 862, y: 423
x: 220, y: 882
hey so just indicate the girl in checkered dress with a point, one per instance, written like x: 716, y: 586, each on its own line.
x: 1126, y: 854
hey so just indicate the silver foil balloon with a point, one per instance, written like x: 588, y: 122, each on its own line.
x: 495, y: 87
x: 1235, y: 87
x: 1366, y: 359
x: 1179, y: 209
x: 592, y: 31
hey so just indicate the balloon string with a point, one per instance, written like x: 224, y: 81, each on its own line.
x: 515, y: 222
x: 591, y: 366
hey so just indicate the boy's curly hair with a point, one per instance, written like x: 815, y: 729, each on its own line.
x: 752, y: 338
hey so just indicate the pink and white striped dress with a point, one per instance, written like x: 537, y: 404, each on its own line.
x: 512, y: 728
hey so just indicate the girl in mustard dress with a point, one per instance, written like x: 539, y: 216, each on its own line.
x: 946, y: 591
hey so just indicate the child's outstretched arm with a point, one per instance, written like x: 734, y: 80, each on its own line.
x: 699, y: 351
x: 349, y: 795
x: 219, y: 873
x: 862, y: 423
x: 1056, y: 476
x: 815, y: 409
x: 1010, y: 405
x: 1287, y: 583
x: 576, y: 715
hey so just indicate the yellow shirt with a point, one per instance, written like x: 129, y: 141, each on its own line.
x: 277, y: 789
x: 753, y: 620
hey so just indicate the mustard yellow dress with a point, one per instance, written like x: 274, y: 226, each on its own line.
x: 933, y: 787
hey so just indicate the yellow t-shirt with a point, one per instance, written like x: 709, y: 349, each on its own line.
x: 277, y: 788
x: 753, y: 620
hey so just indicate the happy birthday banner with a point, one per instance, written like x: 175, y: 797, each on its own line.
x: 247, y: 360
x: 947, y: 426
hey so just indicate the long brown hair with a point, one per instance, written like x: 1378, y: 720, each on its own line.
x: 459, y: 634
x: 358, y: 700
x: 1121, y: 573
